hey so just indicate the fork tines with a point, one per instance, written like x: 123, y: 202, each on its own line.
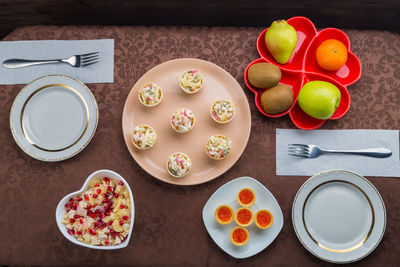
x: 299, y: 150
x: 89, y: 59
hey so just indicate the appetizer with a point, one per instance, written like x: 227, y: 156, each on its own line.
x: 224, y: 214
x: 101, y: 215
x: 143, y: 137
x: 179, y: 164
x: 150, y: 95
x: 191, y: 81
x: 222, y: 111
x: 244, y: 217
x: 218, y: 147
x: 182, y: 120
x: 246, y: 197
x: 264, y: 219
x: 239, y: 236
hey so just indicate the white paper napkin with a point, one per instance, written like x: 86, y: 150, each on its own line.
x: 102, y: 72
x: 338, y: 139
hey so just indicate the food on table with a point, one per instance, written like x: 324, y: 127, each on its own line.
x: 277, y: 99
x: 331, y: 55
x: 100, y: 216
x: 264, y: 219
x: 319, y: 99
x: 143, y: 136
x: 244, y: 216
x: 191, y: 81
x: 246, y: 197
x: 179, y: 164
x: 224, y: 214
x: 281, y: 40
x: 239, y: 236
x: 264, y: 75
x: 222, y: 111
x: 218, y: 147
x: 182, y: 120
x: 150, y: 94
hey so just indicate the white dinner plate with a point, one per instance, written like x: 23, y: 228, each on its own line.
x: 339, y: 216
x: 258, y: 239
x: 54, y: 117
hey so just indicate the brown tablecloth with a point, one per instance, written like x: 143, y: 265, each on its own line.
x: 168, y: 227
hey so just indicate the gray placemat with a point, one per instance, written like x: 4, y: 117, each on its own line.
x: 338, y: 139
x: 102, y: 72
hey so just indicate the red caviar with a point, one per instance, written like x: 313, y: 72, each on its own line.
x: 239, y: 235
x: 246, y: 196
x: 224, y: 214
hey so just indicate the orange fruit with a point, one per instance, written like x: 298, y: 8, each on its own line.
x: 331, y: 54
x: 264, y: 219
x: 239, y: 236
x: 224, y: 214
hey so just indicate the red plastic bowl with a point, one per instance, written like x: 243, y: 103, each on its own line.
x: 302, y: 67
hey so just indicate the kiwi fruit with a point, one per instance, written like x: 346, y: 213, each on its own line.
x: 264, y: 75
x: 277, y: 99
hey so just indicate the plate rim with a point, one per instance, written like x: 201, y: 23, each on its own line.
x: 76, y: 151
x: 149, y: 172
x: 246, y: 178
x: 365, y: 252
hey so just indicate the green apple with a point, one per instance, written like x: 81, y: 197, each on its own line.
x: 319, y: 99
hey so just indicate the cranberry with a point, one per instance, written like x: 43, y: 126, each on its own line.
x: 106, y: 200
x: 121, y: 222
x: 102, y: 227
x: 125, y: 218
x: 81, y: 220
x: 94, y: 196
x: 86, y: 197
x: 107, y: 213
x: 98, y: 191
x: 66, y: 205
x: 107, y: 242
x: 71, y: 200
x: 78, y: 199
x: 97, y: 185
x: 120, y: 183
x: 116, y: 195
x: 122, y: 206
x: 71, y: 220
x: 73, y: 208
x: 94, y: 215
x: 96, y: 224
x: 107, y: 180
x: 88, y: 206
x: 71, y: 232
x: 78, y: 232
x: 109, y: 223
x: 76, y: 216
x: 109, y: 189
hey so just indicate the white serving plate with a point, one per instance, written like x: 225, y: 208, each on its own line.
x: 60, y: 210
x: 339, y: 216
x: 259, y: 239
x: 54, y: 117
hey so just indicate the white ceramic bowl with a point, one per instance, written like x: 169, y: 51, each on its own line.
x: 60, y: 211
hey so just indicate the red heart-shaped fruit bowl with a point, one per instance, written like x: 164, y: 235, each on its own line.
x: 302, y: 67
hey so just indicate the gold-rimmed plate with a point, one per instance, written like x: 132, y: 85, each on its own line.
x: 54, y: 117
x: 339, y: 216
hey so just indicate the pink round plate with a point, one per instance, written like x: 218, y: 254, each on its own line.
x: 302, y: 67
x: 218, y: 84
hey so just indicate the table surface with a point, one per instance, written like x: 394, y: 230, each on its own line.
x: 168, y: 227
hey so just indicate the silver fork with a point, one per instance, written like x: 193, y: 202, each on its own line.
x: 313, y: 151
x: 75, y: 61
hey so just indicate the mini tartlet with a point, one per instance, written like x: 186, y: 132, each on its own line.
x: 222, y: 111
x: 244, y: 217
x: 143, y: 136
x: 264, y: 219
x: 150, y: 94
x: 224, y: 214
x: 191, y: 81
x: 218, y: 147
x: 246, y: 197
x: 239, y: 236
x: 179, y: 165
x: 182, y: 120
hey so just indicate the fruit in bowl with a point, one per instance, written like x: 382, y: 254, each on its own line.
x: 277, y: 99
x: 281, y: 40
x: 264, y: 75
x: 319, y: 99
x: 331, y: 55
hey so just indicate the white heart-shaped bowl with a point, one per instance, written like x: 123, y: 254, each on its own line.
x: 60, y: 211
